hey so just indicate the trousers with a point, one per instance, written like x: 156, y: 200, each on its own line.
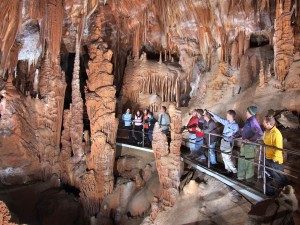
x: 275, y: 180
x: 246, y: 168
x: 226, y: 156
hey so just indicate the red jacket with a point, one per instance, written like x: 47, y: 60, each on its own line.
x: 193, y: 124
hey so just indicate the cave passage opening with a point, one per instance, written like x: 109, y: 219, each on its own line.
x: 258, y: 40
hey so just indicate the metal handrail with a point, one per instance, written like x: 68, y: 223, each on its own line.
x: 262, y: 147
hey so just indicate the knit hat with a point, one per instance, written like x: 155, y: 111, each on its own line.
x: 252, y: 110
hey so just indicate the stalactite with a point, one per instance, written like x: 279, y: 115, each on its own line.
x: 76, y: 109
x: 283, y: 39
x: 234, y: 54
x: 261, y: 75
x: 10, y: 14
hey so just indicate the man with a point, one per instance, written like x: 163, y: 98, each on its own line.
x: 210, y: 126
x: 230, y: 128
x: 164, y: 120
x: 274, y: 157
x: 191, y: 126
x: 250, y: 132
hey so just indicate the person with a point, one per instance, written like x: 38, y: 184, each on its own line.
x: 146, y: 125
x: 250, y: 132
x: 274, y: 157
x: 151, y: 122
x: 191, y: 126
x: 230, y: 128
x: 200, y: 135
x: 138, y: 127
x: 210, y: 126
x: 127, y: 118
x: 164, y: 120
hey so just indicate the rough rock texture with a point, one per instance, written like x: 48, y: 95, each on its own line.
x: 168, y: 159
x: 131, y: 198
x: 101, y: 104
x: 76, y: 109
x: 4, y: 215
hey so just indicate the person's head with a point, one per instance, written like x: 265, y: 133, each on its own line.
x: 200, y: 112
x: 207, y: 116
x: 230, y: 115
x: 138, y: 113
x: 269, y: 122
x: 150, y: 114
x: 128, y: 110
x: 251, y: 111
x: 146, y: 111
x: 194, y: 112
x: 163, y: 109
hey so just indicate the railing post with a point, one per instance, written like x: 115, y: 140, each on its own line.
x: 259, y: 161
x: 208, y: 152
x: 264, y: 175
x: 143, y: 133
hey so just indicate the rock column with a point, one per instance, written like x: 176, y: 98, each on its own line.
x: 168, y: 159
x: 101, y: 104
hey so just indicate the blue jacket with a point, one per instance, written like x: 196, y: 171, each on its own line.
x: 251, y: 130
x: 230, y: 128
x: 127, y: 119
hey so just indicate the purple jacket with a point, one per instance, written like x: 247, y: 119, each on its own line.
x: 251, y: 130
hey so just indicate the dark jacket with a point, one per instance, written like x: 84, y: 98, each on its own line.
x: 210, y: 127
x: 251, y: 130
x: 151, y: 121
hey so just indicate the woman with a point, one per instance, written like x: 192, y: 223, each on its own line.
x: 138, y: 127
x: 126, y: 117
x: 146, y: 125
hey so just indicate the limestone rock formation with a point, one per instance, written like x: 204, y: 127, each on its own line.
x: 101, y: 104
x: 4, y: 215
x: 168, y: 159
x: 283, y: 39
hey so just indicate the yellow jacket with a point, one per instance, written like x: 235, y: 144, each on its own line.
x: 273, y: 137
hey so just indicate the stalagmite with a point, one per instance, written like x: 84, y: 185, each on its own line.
x: 261, y: 75
x: 76, y: 109
x: 168, y: 159
x: 101, y: 104
x: 283, y: 39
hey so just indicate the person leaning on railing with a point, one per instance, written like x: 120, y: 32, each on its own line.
x: 274, y: 157
x: 192, y: 126
x: 230, y: 128
x: 210, y: 126
x: 250, y: 132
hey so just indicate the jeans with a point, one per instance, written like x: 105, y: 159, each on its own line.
x: 275, y: 180
x: 150, y: 136
x: 192, y: 143
x: 211, y: 153
x: 199, y: 143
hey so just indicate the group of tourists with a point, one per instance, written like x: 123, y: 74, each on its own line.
x: 143, y: 124
x: 203, y: 134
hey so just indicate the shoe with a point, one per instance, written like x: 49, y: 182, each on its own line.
x: 240, y: 178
